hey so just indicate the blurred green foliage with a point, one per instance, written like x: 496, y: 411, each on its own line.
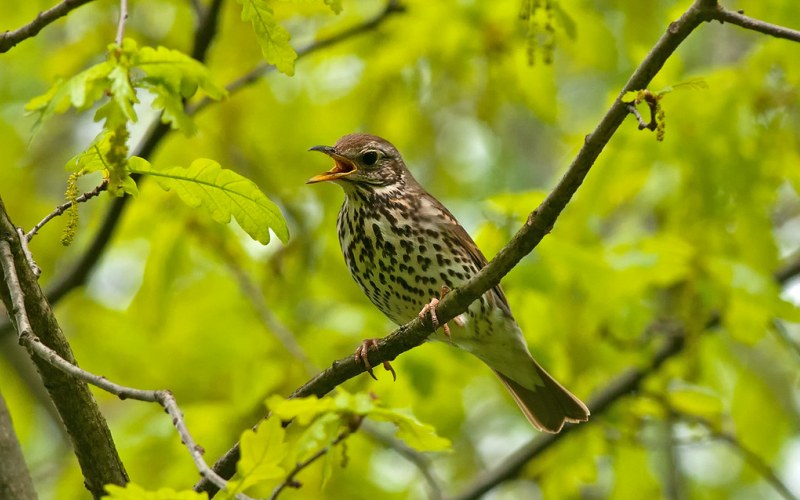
x: 660, y: 234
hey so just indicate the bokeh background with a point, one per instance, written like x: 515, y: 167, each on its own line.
x: 488, y: 110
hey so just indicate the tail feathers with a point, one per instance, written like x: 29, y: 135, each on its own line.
x: 547, y: 406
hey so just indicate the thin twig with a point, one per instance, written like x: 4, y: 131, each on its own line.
x: 748, y: 455
x: 59, y: 210
x: 9, y: 39
x: 724, y: 15
x: 37, y: 271
x: 290, y: 481
x: 538, y: 225
x: 165, y: 398
x: 635, y: 112
x: 392, y: 7
x: 123, y: 18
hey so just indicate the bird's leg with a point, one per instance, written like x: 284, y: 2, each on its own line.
x: 362, y: 356
x: 431, y: 307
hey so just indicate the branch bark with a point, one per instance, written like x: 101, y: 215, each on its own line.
x: 15, y: 479
x: 539, y: 223
x: 10, y: 39
x: 86, y: 427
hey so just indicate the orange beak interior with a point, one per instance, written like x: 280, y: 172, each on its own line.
x: 342, y: 166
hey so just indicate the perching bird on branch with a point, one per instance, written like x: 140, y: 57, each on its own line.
x: 402, y: 246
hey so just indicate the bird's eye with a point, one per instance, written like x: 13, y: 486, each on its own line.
x: 369, y: 158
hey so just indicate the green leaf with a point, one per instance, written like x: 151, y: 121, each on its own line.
x: 421, y: 437
x: 93, y: 159
x: 697, y: 402
x: 417, y: 435
x: 630, y: 96
x: 272, y: 37
x: 335, y: 5
x: 693, y: 84
x: 262, y: 451
x: 304, y: 410
x: 321, y: 433
x: 132, y: 491
x: 172, y: 76
x: 223, y: 193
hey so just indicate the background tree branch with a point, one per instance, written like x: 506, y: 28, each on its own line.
x: 9, y: 39
x: 15, y: 479
x: 79, y: 412
x: 539, y: 223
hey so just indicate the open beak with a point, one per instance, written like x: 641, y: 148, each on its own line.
x: 342, y: 166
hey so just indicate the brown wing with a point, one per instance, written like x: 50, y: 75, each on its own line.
x: 496, y: 294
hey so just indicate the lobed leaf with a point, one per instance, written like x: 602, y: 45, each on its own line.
x: 262, y: 451
x: 272, y: 37
x: 223, y: 193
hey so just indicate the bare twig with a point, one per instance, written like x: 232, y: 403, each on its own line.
x: 59, y: 210
x: 392, y: 7
x: 37, y: 271
x: 724, y: 15
x: 618, y: 388
x: 163, y: 397
x: 9, y: 39
x: 123, y: 18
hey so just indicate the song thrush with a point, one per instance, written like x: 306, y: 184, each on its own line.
x: 402, y: 246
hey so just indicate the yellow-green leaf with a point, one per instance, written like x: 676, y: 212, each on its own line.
x: 262, y: 451
x: 221, y: 192
x: 132, y: 491
x: 272, y: 37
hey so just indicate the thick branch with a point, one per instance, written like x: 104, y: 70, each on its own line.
x: 620, y: 387
x: 539, y: 223
x: 15, y: 479
x: 9, y: 39
x: 79, y: 412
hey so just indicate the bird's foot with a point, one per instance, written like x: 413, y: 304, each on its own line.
x: 430, y: 307
x: 362, y: 356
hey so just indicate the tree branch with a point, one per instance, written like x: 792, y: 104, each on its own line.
x: 724, y: 15
x: 59, y: 210
x: 78, y: 274
x: 392, y: 7
x: 15, y: 478
x: 79, y: 412
x: 620, y: 387
x: 539, y: 224
x: 28, y: 338
x: 10, y: 39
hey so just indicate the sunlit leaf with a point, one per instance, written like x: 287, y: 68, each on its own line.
x: 272, y: 37
x: 223, y: 193
x: 133, y: 491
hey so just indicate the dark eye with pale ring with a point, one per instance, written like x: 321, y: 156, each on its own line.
x: 369, y: 158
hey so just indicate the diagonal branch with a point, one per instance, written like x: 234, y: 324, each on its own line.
x: 10, y: 39
x: 539, y: 224
x: 620, y: 387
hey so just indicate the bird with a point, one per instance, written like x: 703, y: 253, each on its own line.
x: 403, y: 248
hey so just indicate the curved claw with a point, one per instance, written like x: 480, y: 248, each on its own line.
x: 362, y: 356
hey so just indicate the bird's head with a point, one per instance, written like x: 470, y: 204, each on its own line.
x: 363, y: 161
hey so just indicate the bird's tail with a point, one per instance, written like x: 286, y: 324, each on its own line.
x: 547, y: 406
